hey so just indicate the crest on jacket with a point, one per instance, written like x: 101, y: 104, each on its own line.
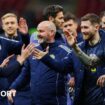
x: 52, y: 56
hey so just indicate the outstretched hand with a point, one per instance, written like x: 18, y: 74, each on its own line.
x: 71, y: 39
x: 26, y: 52
x: 40, y: 54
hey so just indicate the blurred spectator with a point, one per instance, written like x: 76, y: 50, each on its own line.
x: 102, y: 20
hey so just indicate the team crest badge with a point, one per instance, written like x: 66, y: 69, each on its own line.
x: 52, y: 56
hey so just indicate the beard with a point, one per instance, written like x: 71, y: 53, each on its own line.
x: 43, y: 41
x: 88, y: 36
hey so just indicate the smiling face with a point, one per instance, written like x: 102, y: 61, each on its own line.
x: 88, y: 30
x: 46, y: 32
x: 10, y: 25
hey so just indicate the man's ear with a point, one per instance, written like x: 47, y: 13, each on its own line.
x: 97, y: 27
x: 51, y: 18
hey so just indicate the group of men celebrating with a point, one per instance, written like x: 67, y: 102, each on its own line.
x: 37, y: 75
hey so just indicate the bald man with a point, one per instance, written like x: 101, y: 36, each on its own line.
x: 47, y: 85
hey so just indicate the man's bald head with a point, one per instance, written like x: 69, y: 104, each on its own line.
x: 48, y: 24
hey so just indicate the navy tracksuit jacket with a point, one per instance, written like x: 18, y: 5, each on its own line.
x: 6, y: 71
x: 23, y: 95
x: 92, y: 94
x: 85, y: 77
x: 47, y: 85
x: 7, y: 47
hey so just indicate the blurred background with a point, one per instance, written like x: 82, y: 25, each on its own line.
x: 31, y: 10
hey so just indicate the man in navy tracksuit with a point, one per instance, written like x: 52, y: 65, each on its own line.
x: 55, y: 13
x: 7, y: 69
x: 21, y: 34
x: 47, y: 85
x: 71, y: 24
x: 7, y: 46
x: 89, y: 89
x: 10, y: 26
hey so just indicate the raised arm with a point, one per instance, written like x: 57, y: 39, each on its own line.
x: 84, y: 58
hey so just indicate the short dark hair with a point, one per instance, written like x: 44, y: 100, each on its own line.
x: 93, y: 18
x: 102, y: 14
x: 69, y: 16
x: 52, y: 10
